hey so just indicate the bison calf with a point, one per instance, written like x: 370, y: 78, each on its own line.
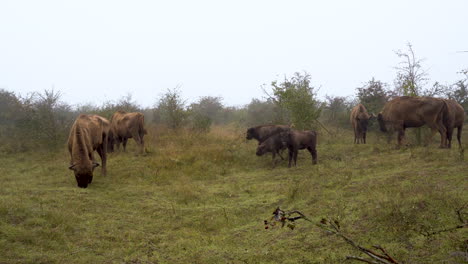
x: 273, y: 145
x: 360, y: 120
x: 296, y: 140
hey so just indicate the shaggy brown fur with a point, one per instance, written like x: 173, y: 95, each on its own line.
x: 296, y: 140
x: 124, y: 126
x: 88, y: 133
x: 403, y: 112
x: 359, y: 120
x: 456, y: 120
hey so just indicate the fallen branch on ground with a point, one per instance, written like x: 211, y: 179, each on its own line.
x: 287, y: 218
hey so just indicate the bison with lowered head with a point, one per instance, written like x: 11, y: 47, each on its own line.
x: 404, y: 112
x: 456, y: 120
x: 297, y: 140
x: 360, y: 120
x: 273, y: 145
x: 124, y: 126
x: 263, y: 132
x: 88, y: 133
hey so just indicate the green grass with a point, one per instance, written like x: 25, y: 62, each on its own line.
x: 198, y: 198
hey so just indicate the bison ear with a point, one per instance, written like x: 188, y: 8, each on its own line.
x: 95, y: 164
x: 71, y: 167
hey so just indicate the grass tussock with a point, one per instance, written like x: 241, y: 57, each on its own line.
x: 202, y: 197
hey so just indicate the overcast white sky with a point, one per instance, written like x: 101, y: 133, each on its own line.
x: 93, y: 51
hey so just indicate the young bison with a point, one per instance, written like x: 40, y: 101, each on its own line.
x: 296, y: 140
x: 273, y: 144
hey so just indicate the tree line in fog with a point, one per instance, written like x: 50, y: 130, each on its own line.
x: 42, y: 119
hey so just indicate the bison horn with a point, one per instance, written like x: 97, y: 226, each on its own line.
x: 95, y: 164
x: 71, y: 167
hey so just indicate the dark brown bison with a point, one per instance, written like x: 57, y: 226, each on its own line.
x: 456, y: 120
x: 124, y: 126
x: 274, y: 144
x: 359, y: 120
x: 261, y: 133
x: 88, y: 133
x: 404, y: 112
x: 296, y: 140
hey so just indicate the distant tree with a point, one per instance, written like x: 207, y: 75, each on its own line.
x: 262, y: 112
x: 373, y: 95
x: 208, y: 107
x: 459, y: 91
x: 171, y: 109
x: 411, y: 77
x: 125, y: 103
x: 296, y: 100
x: 336, y: 110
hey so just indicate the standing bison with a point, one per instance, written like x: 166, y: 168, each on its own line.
x: 262, y: 133
x: 359, y: 120
x: 404, y: 112
x: 88, y: 133
x: 456, y: 120
x: 124, y: 126
x: 296, y: 140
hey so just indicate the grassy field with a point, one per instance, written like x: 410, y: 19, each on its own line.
x: 202, y: 198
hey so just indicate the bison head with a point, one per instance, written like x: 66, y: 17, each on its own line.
x: 250, y: 133
x: 383, y: 128
x: 83, y: 174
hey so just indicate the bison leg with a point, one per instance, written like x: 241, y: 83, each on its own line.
x: 139, y: 140
x: 459, y: 131
x: 401, y: 136
x: 313, y: 152
x: 295, y: 157
x: 364, y: 137
x: 102, y: 153
x: 124, y: 144
x: 290, y: 152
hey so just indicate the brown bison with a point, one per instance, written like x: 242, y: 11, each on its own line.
x: 124, y: 126
x: 263, y: 132
x: 359, y: 120
x: 273, y: 144
x: 296, y: 140
x: 456, y: 120
x: 404, y: 112
x: 88, y: 133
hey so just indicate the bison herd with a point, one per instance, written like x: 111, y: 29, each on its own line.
x: 91, y: 133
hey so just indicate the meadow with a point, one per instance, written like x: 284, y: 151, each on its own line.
x: 202, y: 198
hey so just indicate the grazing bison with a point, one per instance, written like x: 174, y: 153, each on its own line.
x: 456, y: 120
x: 403, y: 112
x: 359, y: 120
x: 124, y: 126
x: 88, y: 133
x: 296, y: 140
x: 273, y: 144
x: 262, y: 133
